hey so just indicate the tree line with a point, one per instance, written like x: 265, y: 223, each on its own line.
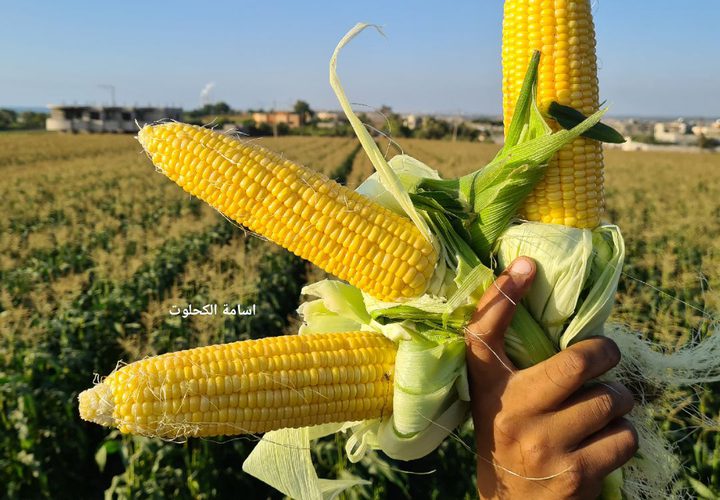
x: 388, y: 123
x: 25, y: 120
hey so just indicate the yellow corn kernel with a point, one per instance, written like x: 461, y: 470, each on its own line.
x: 224, y: 391
x: 302, y: 210
x: 563, y: 31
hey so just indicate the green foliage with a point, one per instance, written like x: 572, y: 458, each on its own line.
x: 195, y: 469
x: 25, y: 120
x: 214, y: 109
x: 282, y: 129
x: 7, y: 118
x: 45, y: 378
x: 434, y: 129
x: 45, y: 264
x: 31, y: 120
x: 704, y: 465
x: 303, y: 109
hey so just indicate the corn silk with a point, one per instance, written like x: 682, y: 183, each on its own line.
x: 472, y: 222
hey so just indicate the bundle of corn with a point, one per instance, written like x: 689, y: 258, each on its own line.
x: 416, y: 251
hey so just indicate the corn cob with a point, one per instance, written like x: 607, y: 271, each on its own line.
x: 248, y: 387
x: 314, y: 217
x: 562, y: 30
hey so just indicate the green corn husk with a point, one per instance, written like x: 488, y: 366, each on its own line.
x: 577, y: 276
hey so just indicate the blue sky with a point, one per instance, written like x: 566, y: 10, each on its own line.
x: 657, y: 57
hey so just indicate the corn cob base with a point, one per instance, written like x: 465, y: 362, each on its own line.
x: 248, y: 387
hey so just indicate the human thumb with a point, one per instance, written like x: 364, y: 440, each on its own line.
x: 485, y: 333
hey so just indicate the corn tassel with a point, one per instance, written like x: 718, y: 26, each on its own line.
x: 314, y: 217
x: 250, y: 386
x: 562, y: 30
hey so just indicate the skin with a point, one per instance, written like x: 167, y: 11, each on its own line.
x: 548, y: 421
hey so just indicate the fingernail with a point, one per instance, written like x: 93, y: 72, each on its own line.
x: 521, y: 267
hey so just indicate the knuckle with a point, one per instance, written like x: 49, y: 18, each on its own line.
x: 537, y: 453
x: 507, y: 425
x: 603, y: 405
x: 573, y: 479
x: 538, y: 447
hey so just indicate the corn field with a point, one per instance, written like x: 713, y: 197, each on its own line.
x: 96, y: 248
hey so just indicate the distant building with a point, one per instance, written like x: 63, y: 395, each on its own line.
x: 412, y: 121
x: 710, y: 131
x: 329, y: 116
x: 488, y: 131
x: 289, y: 118
x: 677, y: 132
x: 631, y: 127
x: 630, y: 145
x: 105, y: 119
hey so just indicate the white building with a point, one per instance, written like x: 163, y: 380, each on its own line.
x: 329, y: 116
x: 677, y: 132
x: 710, y: 131
x: 105, y: 119
x: 412, y: 121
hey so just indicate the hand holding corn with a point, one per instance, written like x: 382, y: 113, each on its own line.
x: 571, y: 434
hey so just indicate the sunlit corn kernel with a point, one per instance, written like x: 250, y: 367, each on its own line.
x: 567, y: 74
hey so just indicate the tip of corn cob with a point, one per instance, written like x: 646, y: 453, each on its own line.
x: 97, y: 405
x: 145, y: 135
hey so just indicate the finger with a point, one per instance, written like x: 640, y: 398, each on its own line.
x: 589, y: 411
x: 556, y: 379
x: 608, y: 449
x: 485, y: 333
